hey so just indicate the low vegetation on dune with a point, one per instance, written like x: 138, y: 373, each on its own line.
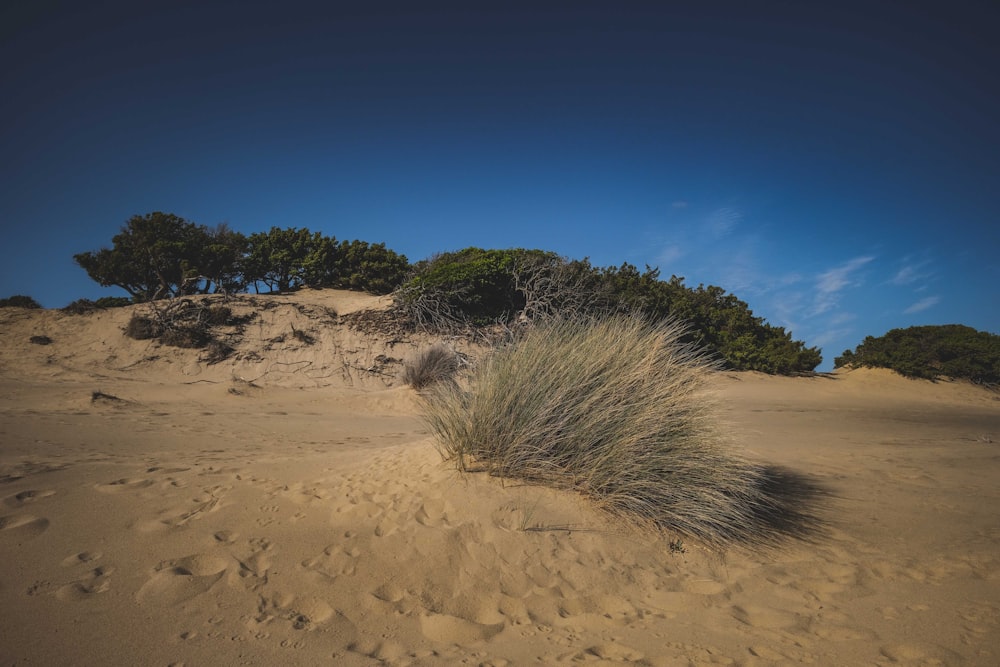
x: 615, y: 408
x: 931, y: 352
x: 187, y: 323
x: 19, y: 301
x: 437, y: 363
x: 475, y: 288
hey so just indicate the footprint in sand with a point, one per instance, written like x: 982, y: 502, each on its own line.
x: 82, y: 557
x: 125, y: 484
x: 433, y: 512
x: 25, y: 497
x: 454, y: 630
x: 22, y: 526
x: 182, y: 579
x: 764, y: 617
x: 95, y: 582
x: 334, y: 561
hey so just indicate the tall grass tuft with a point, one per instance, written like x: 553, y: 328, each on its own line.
x: 617, y: 409
x: 435, y: 364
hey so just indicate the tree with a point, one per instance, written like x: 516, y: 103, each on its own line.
x: 221, y: 260
x: 154, y: 255
x: 284, y: 259
x: 369, y: 267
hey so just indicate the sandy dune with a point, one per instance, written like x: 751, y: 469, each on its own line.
x: 287, y: 506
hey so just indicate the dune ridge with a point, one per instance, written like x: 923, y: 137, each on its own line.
x: 287, y: 506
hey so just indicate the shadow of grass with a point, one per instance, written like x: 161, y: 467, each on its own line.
x: 791, y: 508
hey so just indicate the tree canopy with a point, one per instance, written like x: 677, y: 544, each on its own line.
x: 157, y: 254
x: 951, y: 350
x: 160, y: 255
x: 478, y: 286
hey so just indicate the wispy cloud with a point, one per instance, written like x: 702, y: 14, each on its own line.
x: 679, y: 204
x: 922, y: 305
x: 911, y: 272
x: 670, y: 254
x: 722, y: 221
x: 831, y: 283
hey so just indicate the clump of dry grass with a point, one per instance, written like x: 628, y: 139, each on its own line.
x: 435, y: 364
x: 617, y: 409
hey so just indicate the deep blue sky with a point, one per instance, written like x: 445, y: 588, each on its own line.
x: 835, y: 164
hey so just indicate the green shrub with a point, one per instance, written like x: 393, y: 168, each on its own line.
x: 19, y: 301
x: 437, y: 363
x: 929, y: 352
x: 473, y: 285
x: 475, y: 288
x: 617, y: 409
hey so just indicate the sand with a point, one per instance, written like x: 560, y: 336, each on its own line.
x: 287, y: 506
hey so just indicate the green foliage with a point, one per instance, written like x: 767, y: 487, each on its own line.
x: 929, y: 352
x: 19, y: 301
x: 220, y: 261
x: 615, y: 408
x: 153, y: 256
x: 160, y: 255
x: 369, y: 267
x: 479, y: 287
x: 283, y: 259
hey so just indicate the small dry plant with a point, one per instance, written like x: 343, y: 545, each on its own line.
x: 435, y: 364
x: 617, y: 409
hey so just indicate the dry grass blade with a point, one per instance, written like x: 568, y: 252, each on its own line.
x: 437, y: 363
x: 617, y: 409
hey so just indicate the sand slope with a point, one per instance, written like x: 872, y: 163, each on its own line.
x: 287, y: 506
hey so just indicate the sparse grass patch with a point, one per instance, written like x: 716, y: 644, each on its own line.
x: 437, y: 363
x: 617, y: 409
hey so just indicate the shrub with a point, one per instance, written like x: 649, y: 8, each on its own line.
x: 456, y: 291
x: 187, y: 335
x: 80, y: 307
x: 951, y: 350
x: 615, y: 408
x: 113, y: 302
x: 141, y: 327
x: 218, y: 315
x: 437, y: 363
x: 40, y: 340
x: 19, y: 301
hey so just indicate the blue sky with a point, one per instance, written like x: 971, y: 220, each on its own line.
x: 835, y: 164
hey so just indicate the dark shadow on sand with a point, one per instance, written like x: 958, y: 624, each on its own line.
x: 790, y: 509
